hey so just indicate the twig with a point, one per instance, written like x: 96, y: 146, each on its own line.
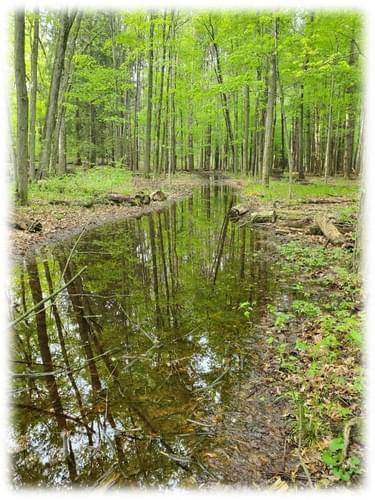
x: 150, y: 337
x: 305, y: 470
x: 215, y: 382
x: 71, y: 253
x: 50, y: 297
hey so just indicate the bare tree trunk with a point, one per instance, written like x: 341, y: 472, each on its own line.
x: 58, y: 66
x: 268, y: 137
x: 33, y: 92
x: 219, y: 75
x: 22, y: 107
x: 136, y: 106
x: 64, y: 86
x: 350, y: 116
x: 161, y: 95
x: 245, y: 152
x: 329, y: 134
x: 190, y: 142
x: 149, y: 99
x: 61, y: 165
x: 92, y: 155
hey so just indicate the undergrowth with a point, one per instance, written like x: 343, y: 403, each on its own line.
x: 279, y: 189
x: 320, y: 358
x: 83, y: 185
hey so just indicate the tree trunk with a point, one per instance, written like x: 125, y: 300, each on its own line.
x: 350, y: 116
x: 33, y: 92
x: 161, y: 95
x: 268, y: 137
x: 329, y: 134
x: 22, y: 107
x: 149, y: 99
x: 58, y: 66
x: 61, y: 165
x: 245, y: 152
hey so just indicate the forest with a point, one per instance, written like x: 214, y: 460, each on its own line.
x: 186, y: 234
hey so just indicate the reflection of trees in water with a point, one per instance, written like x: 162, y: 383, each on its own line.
x: 147, y: 278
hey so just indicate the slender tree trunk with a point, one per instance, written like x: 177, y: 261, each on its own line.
x: 33, y: 92
x: 329, y: 134
x: 61, y: 165
x: 190, y: 142
x: 219, y: 75
x: 147, y: 159
x: 58, y: 66
x: 207, y: 149
x: 350, y: 116
x: 22, y: 154
x: 136, y: 107
x: 93, y: 142
x: 64, y: 86
x: 161, y: 95
x: 301, y: 166
x: 245, y: 152
x: 268, y: 138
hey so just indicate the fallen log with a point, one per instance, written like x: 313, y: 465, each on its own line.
x: 158, y: 196
x: 323, y: 201
x: 59, y: 202
x: 291, y: 215
x: 238, y: 211
x: 296, y: 222
x: 314, y: 230
x: 142, y: 198
x: 329, y: 230
x: 263, y: 217
x: 120, y: 198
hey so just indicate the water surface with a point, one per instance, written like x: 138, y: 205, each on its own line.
x: 121, y: 380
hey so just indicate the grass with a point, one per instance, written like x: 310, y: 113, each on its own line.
x: 279, y: 190
x: 83, y: 185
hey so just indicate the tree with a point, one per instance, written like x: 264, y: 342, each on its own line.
x: 149, y: 97
x: 22, y: 155
x: 33, y: 91
x: 58, y: 66
x: 269, y: 129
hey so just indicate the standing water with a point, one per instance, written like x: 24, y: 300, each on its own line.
x: 122, y: 380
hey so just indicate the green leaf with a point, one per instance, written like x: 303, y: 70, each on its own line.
x: 328, y: 458
x: 354, y: 460
x: 336, y: 444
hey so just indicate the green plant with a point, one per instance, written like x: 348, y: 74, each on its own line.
x: 305, y: 308
x: 342, y: 468
x: 280, y: 318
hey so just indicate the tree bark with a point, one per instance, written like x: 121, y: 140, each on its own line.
x: 58, y: 66
x: 149, y: 99
x: 33, y: 92
x: 350, y: 116
x: 22, y: 108
x: 268, y: 134
x: 245, y: 152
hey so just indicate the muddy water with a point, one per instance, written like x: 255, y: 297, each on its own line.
x: 123, y: 380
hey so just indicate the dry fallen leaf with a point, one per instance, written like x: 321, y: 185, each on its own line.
x: 279, y: 485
